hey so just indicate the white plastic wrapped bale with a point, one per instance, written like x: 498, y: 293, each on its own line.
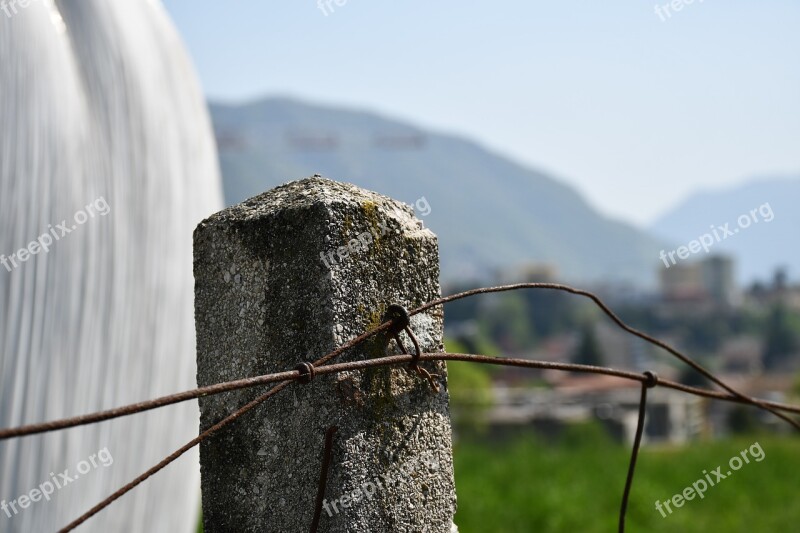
x: 100, y: 107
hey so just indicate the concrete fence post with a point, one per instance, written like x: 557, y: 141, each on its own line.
x: 284, y: 278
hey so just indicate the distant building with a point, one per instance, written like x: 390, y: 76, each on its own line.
x: 531, y: 273
x: 719, y: 280
x: 741, y: 355
x: 672, y: 416
x: 682, y: 283
x: 710, y: 281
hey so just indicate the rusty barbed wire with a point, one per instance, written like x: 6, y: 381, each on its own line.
x: 171, y: 457
x: 296, y: 375
x: 380, y: 362
x: 272, y: 378
x: 289, y: 375
x: 100, y: 416
x: 618, y: 321
x: 304, y: 372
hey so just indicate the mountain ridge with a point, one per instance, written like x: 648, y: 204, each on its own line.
x: 489, y: 211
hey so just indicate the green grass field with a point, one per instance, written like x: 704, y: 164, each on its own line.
x: 576, y: 486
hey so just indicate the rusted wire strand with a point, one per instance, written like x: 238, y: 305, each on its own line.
x: 32, y: 429
x: 650, y: 381
x: 140, y: 407
x: 572, y: 367
x: 260, y: 380
x: 323, y: 477
x: 398, y: 360
x: 171, y: 399
x: 296, y: 375
x: 286, y: 377
x: 172, y: 457
x: 618, y: 321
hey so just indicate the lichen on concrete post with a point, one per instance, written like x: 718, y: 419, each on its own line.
x: 286, y: 277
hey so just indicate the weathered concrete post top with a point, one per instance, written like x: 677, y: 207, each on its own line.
x: 286, y: 277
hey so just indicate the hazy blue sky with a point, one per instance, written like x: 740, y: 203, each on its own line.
x: 634, y: 111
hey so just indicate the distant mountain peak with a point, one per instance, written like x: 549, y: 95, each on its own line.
x: 761, y: 247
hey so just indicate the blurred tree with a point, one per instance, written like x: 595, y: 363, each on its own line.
x: 588, y: 351
x: 477, y: 342
x: 742, y: 419
x: 747, y: 321
x: 505, y: 320
x: 691, y: 377
x: 549, y: 312
x: 465, y: 309
x: 470, y: 388
x: 707, y: 334
x: 781, y: 338
x: 642, y: 317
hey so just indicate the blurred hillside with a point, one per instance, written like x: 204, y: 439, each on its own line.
x: 488, y: 211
